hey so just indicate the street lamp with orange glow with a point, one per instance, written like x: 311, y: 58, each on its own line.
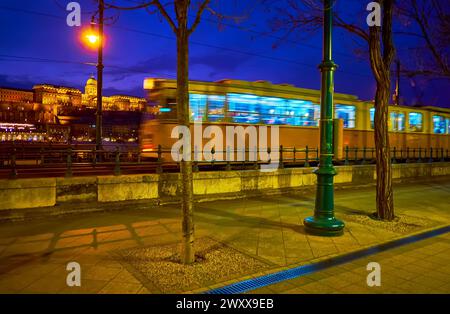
x: 94, y: 39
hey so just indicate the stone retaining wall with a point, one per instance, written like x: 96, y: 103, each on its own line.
x: 47, y: 192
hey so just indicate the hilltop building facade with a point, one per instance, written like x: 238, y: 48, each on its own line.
x: 55, y: 113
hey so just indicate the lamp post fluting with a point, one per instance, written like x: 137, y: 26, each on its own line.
x: 324, y: 223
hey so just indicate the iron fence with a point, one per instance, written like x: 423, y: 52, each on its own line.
x: 16, y: 158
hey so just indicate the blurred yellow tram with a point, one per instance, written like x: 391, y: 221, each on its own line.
x: 295, y: 110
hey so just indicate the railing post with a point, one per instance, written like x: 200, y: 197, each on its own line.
x: 213, y: 159
x: 356, y: 154
x: 394, y: 151
x: 195, y: 164
x: 294, y: 151
x: 407, y: 155
x: 228, y: 157
x: 159, y: 168
x: 420, y: 155
x: 69, y: 163
x: 281, y: 157
x: 117, y: 162
x: 42, y: 156
x: 94, y: 156
x: 363, y: 162
x: 442, y: 154
x: 23, y: 150
x: 346, y: 156
x: 306, y: 156
x: 431, y: 155
x: 255, y: 156
x: 13, y: 163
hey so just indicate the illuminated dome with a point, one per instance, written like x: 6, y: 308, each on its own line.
x: 91, y: 87
x: 91, y: 81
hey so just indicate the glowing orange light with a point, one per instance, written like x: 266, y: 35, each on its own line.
x: 91, y: 38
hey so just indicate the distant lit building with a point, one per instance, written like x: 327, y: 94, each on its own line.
x: 110, y: 103
x: 15, y: 95
x: 52, y: 113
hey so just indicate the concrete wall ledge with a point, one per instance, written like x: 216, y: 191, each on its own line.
x: 25, y: 193
x: 214, y: 185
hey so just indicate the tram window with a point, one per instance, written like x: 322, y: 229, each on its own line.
x: 216, y: 108
x: 397, y: 121
x: 166, y: 110
x: 415, y: 122
x: 439, y: 125
x: 243, y: 108
x: 197, y: 105
x: 346, y: 113
x: 448, y: 126
x: 302, y: 113
x: 372, y: 117
x: 272, y: 110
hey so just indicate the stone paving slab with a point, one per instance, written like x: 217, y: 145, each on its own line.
x: 269, y: 228
x: 420, y: 267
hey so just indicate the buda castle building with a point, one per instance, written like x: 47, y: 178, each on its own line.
x: 53, y: 112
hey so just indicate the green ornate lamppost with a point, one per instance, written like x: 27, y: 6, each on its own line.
x: 323, y: 222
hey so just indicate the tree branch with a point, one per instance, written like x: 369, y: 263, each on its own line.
x: 140, y: 6
x: 164, y: 13
x: 198, y: 16
x: 338, y: 22
x: 422, y: 21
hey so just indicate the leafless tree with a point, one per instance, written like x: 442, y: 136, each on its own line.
x: 306, y: 15
x: 178, y: 20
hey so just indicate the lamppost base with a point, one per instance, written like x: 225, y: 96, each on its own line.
x: 329, y: 227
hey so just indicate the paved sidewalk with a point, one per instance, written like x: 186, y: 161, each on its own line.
x: 34, y: 255
x: 420, y: 267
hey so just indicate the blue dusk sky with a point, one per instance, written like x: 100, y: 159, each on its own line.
x: 37, y: 46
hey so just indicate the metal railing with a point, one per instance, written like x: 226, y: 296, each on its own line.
x: 365, y: 155
x: 69, y: 159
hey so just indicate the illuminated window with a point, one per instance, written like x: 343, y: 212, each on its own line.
x: 397, y: 121
x: 216, y: 108
x: 243, y: 108
x: 346, y: 113
x: 167, y: 109
x: 448, y: 126
x: 439, y: 126
x: 197, y: 105
x: 372, y: 117
x: 302, y: 113
x: 273, y: 110
x: 415, y: 122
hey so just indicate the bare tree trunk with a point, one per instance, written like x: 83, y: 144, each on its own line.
x: 384, y: 195
x: 187, y: 251
x: 382, y: 52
